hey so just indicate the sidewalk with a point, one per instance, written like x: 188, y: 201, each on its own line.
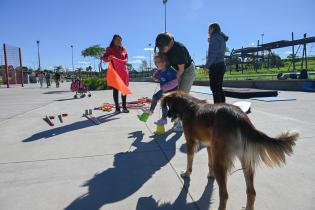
x: 120, y: 165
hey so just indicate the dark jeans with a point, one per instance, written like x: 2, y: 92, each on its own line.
x: 123, y: 98
x: 57, y: 83
x: 216, y: 73
x: 48, y: 82
x: 157, y: 96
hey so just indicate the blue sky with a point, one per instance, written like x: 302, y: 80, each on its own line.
x: 61, y: 23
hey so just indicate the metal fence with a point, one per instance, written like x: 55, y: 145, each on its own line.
x: 11, y: 71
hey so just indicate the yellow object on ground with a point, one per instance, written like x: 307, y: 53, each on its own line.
x: 160, y: 129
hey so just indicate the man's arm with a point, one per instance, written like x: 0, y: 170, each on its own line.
x: 180, y: 71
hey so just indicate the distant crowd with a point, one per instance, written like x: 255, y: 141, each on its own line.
x: 47, y: 77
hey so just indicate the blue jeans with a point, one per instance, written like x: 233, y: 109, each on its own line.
x: 157, y: 96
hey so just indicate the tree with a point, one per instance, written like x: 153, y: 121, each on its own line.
x: 275, y: 60
x: 58, y: 68
x: 143, y: 65
x: 96, y: 52
x: 130, y: 67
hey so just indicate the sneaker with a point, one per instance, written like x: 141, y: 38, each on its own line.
x: 125, y: 110
x: 162, y: 121
x: 177, y: 127
x: 117, y: 111
x: 149, y: 112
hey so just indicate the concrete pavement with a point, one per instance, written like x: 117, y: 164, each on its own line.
x: 120, y: 165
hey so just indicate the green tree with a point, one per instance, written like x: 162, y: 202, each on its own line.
x: 129, y: 66
x: 143, y: 65
x: 96, y: 52
x: 275, y: 60
x: 58, y: 68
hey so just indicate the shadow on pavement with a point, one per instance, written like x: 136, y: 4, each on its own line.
x: 131, y: 170
x: 204, y: 202
x: 67, y: 99
x: 57, y: 92
x: 68, y: 128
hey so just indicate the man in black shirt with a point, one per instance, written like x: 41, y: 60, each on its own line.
x: 180, y: 60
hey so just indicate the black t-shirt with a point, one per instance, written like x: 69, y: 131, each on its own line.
x: 57, y: 76
x: 178, y: 55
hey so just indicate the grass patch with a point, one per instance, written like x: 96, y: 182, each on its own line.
x: 253, y: 75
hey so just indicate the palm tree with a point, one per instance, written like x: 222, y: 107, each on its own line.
x: 96, y: 52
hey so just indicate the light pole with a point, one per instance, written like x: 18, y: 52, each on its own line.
x: 38, y: 54
x: 164, y: 2
x: 72, y: 57
x: 263, y: 51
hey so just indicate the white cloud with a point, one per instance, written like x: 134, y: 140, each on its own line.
x: 148, y: 49
x: 139, y: 57
x: 137, y: 61
x: 253, y: 43
x: 84, y: 62
x: 287, y: 52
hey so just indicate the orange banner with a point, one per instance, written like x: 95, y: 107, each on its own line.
x: 114, y: 80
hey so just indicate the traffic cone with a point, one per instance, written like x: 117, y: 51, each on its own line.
x: 160, y: 129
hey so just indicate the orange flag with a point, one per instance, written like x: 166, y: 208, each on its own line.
x: 114, y: 80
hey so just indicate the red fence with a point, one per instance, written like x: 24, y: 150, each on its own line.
x: 11, y: 65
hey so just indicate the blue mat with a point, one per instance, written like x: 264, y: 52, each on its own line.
x: 201, y: 89
x: 272, y: 99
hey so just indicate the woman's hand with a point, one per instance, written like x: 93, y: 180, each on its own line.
x: 109, y: 58
x: 205, y: 70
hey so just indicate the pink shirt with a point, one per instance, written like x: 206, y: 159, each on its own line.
x: 119, y: 61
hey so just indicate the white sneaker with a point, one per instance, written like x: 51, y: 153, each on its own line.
x: 177, y: 127
x: 162, y: 121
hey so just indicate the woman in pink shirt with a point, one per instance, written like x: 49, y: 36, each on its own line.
x: 118, y: 55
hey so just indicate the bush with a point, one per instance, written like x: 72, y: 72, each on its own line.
x: 96, y: 83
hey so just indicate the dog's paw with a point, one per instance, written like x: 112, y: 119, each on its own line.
x: 185, y: 174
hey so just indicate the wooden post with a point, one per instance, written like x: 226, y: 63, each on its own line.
x: 269, y: 52
x: 6, y: 64
x: 258, y: 60
x: 293, y: 53
x: 242, y: 56
x: 21, y: 66
x: 231, y: 58
x: 305, y: 51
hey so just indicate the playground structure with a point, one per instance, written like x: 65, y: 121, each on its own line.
x: 257, y: 58
x: 11, y: 69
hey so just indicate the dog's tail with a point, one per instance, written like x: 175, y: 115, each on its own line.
x: 258, y: 147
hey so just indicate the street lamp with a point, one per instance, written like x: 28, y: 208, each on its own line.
x: 164, y: 2
x: 38, y: 54
x: 262, y: 42
x: 72, y: 57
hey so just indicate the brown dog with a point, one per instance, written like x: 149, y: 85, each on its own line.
x: 228, y: 133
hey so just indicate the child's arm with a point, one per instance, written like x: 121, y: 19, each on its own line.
x: 171, y: 80
x: 156, y: 76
